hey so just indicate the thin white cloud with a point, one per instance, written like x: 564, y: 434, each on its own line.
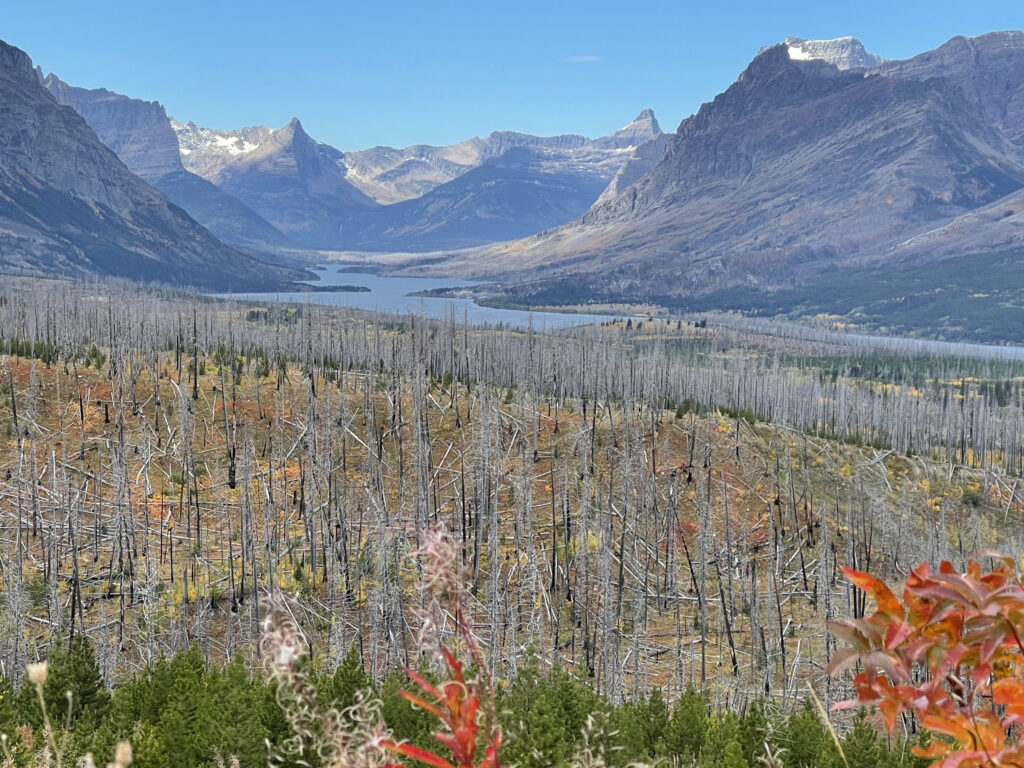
x: 582, y: 59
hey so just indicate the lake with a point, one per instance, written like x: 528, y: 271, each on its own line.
x: 391, y: 294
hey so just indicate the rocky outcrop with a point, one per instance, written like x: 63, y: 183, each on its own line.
x: 138, y: 131
x: 70, y: 207
x: 640, y: 163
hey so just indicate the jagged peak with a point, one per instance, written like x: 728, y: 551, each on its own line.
x: 646, y: 118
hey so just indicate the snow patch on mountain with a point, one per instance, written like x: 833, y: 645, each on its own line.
x: 204, y: 150
x: 843, y: 52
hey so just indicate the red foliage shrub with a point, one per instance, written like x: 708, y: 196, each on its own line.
x: 950, y: 653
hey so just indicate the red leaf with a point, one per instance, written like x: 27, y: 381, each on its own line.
x: 886, y: 600
x: 418, y: 753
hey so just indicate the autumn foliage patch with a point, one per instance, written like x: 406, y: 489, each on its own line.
x: 948, y: 653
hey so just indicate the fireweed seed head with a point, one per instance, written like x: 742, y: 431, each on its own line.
x: 37, y: 672
x: 123, y: 754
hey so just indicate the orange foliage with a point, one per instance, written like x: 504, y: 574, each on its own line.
x: 949, y: 652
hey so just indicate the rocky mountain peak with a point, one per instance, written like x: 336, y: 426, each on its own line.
x: 294, y: 128
x: 843, y: 52
x: 646, y: 117
x: 779, y: 59
x: 643, y: 128
x: 989, y: 69
x: 70, y: 207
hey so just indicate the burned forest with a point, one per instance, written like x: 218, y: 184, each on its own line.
x: 647, y: 505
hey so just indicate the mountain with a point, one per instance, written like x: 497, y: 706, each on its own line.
x: 390, y: 175
x: 644, y: 128
x: 521, y: 185
x: 420, y: 198
x: 294, y: 182
x: 70, y: 208
x: 798, y: 167
x: 207, y: 151
x: 140, y: 134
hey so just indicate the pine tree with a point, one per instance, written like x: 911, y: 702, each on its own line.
x: 235, y: 718
x: 807, y: 744
x: 73, y: 670
x: 862, y: 747
x: 732, y: 756
x: 629, y: 735
x: 184, y: 718
x: 723, y: 738
x: 148, y: 749
x: 544, y: 716
x: 754, y: 732
x: 653, y: 716
x: 406, y: 722
x: 348, y: 681
x: 687, y: 728
x: 9, y: 719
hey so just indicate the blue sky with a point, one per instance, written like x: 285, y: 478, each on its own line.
x: 400, y: 73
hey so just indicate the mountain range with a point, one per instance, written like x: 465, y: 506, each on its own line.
x: 822, y: 164
x: 69, y: 207
x: 419, y: 198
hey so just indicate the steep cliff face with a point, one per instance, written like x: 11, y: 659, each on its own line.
x: 140, y: 133
x: 70, y: 207
x: 640, y: 163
